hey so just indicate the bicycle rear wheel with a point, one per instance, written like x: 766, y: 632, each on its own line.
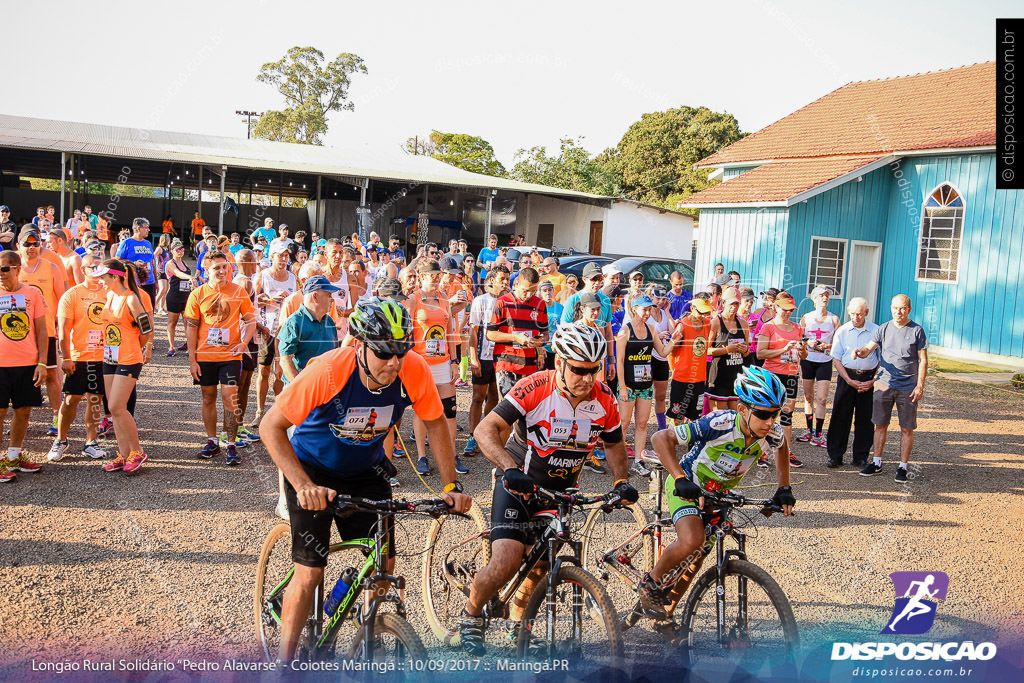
x: 619, y: 550
x: 456, y: 549
x: 586, y: 626
x: 762, y: 644
x: 395, y: 644
x: 273, y: 572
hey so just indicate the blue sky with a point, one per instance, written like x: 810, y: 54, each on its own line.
x: 517, y: 74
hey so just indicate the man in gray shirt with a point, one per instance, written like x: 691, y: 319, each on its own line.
x: 900, y: 381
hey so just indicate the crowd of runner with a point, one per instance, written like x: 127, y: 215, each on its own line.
x: 268, y: 303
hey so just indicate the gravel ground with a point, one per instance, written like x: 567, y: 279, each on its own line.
x: 161, y: 565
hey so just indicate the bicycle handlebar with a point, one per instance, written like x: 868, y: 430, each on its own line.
x: 434, y: 505
x: 610, y: 499
x: 768, y: 507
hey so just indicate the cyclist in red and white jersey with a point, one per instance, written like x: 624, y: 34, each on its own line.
x: 540, y: 434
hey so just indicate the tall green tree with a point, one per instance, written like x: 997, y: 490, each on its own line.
x: 468, y: 152
x: 572, y: 168
x: 654, y: 160
x: 311, y: 89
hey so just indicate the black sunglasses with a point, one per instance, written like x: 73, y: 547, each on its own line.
x: 762, y: 414
x: 583, y: 372
x: 386, y: 355
x: 7, y: 269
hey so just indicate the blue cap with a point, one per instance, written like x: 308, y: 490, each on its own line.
x: 321, y: 243
x: 6, y: 208
x: 642, y: 301
x: 318, y: 283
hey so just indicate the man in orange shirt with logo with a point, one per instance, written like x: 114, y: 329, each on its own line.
x: 47, y: 277
x: 22, y: 360
x: 80, y: 330
x: 690, y: 370
x: 216, y: 341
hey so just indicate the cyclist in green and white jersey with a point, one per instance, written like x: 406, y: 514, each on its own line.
x: 721, y: 447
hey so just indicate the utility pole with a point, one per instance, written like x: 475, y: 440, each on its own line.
x: 248, y: 120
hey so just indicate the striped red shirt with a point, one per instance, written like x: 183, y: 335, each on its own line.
x: 514, y: 316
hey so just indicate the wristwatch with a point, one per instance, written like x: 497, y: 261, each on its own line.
x: 454, y: 487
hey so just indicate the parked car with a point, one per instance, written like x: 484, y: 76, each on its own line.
x: 574, y: 265
x: 655, y: 270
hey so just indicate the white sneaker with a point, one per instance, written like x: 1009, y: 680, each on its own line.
x: 57, y: 451
x: 394, y: 482
x: 282, y: 509
x: 93, y: 450
x: 639, y: 468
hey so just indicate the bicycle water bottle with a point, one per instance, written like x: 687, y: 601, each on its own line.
x: 339, y: 591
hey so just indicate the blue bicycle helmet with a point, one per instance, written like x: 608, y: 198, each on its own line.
x: 759, y: 388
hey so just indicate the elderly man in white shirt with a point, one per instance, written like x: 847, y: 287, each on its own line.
x: 854, y: 388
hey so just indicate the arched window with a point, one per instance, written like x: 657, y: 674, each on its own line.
x: 942, y: 225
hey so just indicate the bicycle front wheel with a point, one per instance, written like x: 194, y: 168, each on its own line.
x: 456, y: 549
x: 273, y: 572
x: 395, y: 644
x: 760, y: 639
x: 582, y: 627
x: 618, y: 548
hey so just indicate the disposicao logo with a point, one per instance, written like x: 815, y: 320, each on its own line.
x: 917, y: 595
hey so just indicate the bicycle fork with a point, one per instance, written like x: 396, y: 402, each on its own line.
x: 735, y: 635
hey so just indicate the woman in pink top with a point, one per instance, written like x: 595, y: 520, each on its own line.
x: 781, y: 346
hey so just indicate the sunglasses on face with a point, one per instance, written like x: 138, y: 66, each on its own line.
x: 30, y: 245
x: 762, y: 414
x: 583, y: 372
x: 7, y: 269
x: 387, y: 355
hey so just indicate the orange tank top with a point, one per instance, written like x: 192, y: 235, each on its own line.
x: 430, y: 327
x: 42, y: 278
x: 122, y: 343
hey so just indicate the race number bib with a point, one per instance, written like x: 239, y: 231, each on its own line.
x: 527, y: 333
x: 358, y: 418
x: 642, y: 373
x: 184, y: 285
x: 94, y: 339
x: 218, y: 336
x: 726, y: 464
x: 788, y: 357
x: 569, y: 433
x: 435, y: 348
x: 110, y: 354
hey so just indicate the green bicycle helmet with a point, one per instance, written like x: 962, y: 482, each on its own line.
x: 383, y: 325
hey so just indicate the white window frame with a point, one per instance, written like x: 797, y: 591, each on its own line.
x: 811, y: 284
x: 920, y: 235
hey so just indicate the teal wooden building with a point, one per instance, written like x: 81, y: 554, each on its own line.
x: 876, y: 189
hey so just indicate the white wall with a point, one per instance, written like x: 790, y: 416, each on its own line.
x: 571, y: 220
x: 635, y: 230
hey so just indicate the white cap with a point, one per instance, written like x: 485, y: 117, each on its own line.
x: 278, y: 248
x: 610, y: 269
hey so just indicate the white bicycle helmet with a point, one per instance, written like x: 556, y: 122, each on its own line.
x: 580, y: 342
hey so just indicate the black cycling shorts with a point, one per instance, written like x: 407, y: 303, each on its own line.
x: 512, y: 516
x: 311, y: 531
x: 684, y: 400
x: 268, y: 349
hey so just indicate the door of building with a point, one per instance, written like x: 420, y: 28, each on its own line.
x: 545, y: 235
x: 862, y: 280
x: 596, y: 237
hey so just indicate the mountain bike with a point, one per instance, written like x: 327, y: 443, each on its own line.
x: 735, y: 610
x: 567, y: 616
x: 380, y: 636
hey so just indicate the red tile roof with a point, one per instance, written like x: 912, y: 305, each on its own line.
x: 951, y: 108
x: 777, y: 181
